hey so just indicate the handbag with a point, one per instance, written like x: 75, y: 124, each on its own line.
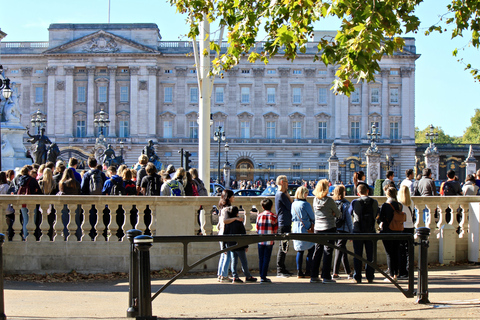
x: 312, y: 225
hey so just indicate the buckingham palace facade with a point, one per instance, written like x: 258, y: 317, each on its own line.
x: 278, y: 118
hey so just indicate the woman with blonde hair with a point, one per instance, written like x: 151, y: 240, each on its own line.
x: 344, y: 224
x: 325, y: 212
x: 47, y: 185
x: 302, y: 218
x: 404, y: 199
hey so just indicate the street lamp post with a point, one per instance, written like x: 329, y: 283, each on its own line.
x: 38, y: 120
x: 101, y: 122
x: 226, y: 167
x: 121, y: 151
x: 7, y: 93
x: 219, y: 135
x: 431, y: 136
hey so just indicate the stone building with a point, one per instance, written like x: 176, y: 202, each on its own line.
x: 279, y: 118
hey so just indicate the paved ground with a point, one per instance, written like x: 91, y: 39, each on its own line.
x: 454, y: 294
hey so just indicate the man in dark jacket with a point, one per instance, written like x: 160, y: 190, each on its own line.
x: 85, y: 185
x: 426, y: 186
x: 364, y: 211
x: 114, y: 185
x: 27, y: 185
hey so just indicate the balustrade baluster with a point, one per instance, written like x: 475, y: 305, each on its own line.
x: 113, y: 225
x: 127, y: 223
x: 100, y: 226
x: 141, y: 218
x: 17, y: 226
x: 72, y: 225
x: 207, y: 228
x: 31, y: 223
x: 3, y: 224
x: 86, y: 226
x: 58, y: 225
x: 44, y: 226
x: 246, y: 222
x: 463, y: 217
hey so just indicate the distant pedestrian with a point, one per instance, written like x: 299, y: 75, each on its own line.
x: 267, y: 223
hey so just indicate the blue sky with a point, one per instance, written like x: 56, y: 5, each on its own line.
x: 445, y: 96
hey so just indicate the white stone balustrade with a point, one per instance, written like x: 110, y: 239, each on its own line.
x: 169, y: 216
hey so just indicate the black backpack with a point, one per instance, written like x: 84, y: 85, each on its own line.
x: 340, y: 220
x: 448, y: 189
x: 96, y: 182
x: 118, y: 189
x: 153, y: 186
x: 366, y: 218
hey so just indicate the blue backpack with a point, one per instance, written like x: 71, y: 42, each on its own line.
x: 174, y: 188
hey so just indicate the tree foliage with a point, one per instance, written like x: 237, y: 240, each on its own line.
x: 464, y: 18
x: 442, y: 136
x: 369, y: 30
x: 472, y: 133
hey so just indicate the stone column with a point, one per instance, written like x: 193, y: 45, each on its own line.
x: 152, y: 100
x: 471, y: 162
x: 27, y: 104
x: 283, y: 102
x: 112, y: 101
x: 257, y: 126
x: 68, y: 132
x: 333, y: 165
x: 134, y: 71
x: 365, y: 124
x: 405, y: 101
x: 384, y: 100
x: 90, y: 100
x: 373, y: 163
x: 51, y: 100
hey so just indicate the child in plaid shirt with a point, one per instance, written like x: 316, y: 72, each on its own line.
x: 266, y: 224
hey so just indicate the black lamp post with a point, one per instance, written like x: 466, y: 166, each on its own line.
x: 7, y: 93
x: 226, y: 167
x: 431, y: 136
x: 38, y: 120
x: 219, y: 135
x: 121, y: 152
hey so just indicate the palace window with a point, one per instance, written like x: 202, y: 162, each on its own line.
x: 219, y: 94
x: 124, y: 129
x: 393, y: 95
x: 355, y: 130
x: 394, y: 133
x: 168, y: 95
x: 271, y: 130
x: 81, y: 129
x: 297, y: 95
x: 168, y: 129
x: 322, y: 95
x: 81, y: 94
x: 102, y: 94
x: 355, y: 96
x: 296, y: 130
x: 270, y: 95
x: 124, y: 94
x: 322, y: 130
x: 245, y: 129
x: 38, y: 94
x: 193, y: 94
x: 193, y: 129
x: 245, y: 95
x: 375, y: 95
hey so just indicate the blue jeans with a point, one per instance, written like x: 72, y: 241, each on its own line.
x: 24, y: 212
x: 235, y: 255
x: 223, y: 263
x: 299, y: 259
x: 264, y: 254
x: 357, y: 264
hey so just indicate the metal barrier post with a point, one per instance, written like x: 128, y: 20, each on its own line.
x: 2, y: 300
x: 422, y: 286
x: 143, y: 244
x: 132, y: 310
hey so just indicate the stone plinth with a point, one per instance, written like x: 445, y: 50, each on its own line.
x: 373, y: 167
x: 13, y: 150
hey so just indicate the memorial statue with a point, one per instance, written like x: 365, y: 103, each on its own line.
x: 40, y: 141
x: 108, y: 155
x: 149, y: 150
x: 53, y: 153
x: 11, y: 111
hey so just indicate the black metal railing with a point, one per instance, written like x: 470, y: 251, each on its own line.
x: 140, y: 298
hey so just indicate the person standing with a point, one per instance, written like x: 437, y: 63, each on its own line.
x: 451, y: 187
x: 426, y: 186
x: 409, y: 181
x: 325, y: 212
x: 390, y: 175
x: 303, y: 218
x: 283, y: 206
x: 392, y: 247
x: 266, y: 224
x: 344, y: 225
x: 408, y: 227
x: 364, y: 211
x: 470, y: 188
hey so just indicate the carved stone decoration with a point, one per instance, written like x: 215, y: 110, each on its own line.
x: 112, y: 70
x: 406, y: 72
x: 142, y: 85
x: 233, y: 72
x: 191, y: 116
x: 373, y: 167
x: 134, y: 70
x: 284, y: 72
x: 90, y: 70
x: 471, y: 162
x: 296, y: 116
x: 385, y: 72
x: 219, y: 116
x: 245, y: 116
x: 69, y: 70
x: 258, y: 72
x: 271, y: 116
x: 152, y: 70
x: 102, y: 44
x: 333, y: 150
x: 432, y: 161
x: 60, y: 85
x: 26, y: 71
x: 167, y: 116
x: 51, y: 71
x: 310, y: 72
x: 181, y: 71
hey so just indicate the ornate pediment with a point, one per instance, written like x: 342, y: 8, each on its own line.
x: 323, y: 116
x: 271, y: 116
x: 167, y: 115
x: 101, y: 42
x: 296, y: 115
x: 245, y: 115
